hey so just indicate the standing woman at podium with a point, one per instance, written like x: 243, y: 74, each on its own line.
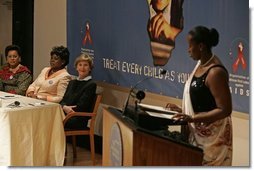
x: 207, y: 103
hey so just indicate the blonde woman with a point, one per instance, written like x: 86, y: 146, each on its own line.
x: 80, y: 93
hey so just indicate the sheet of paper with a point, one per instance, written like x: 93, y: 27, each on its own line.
x: 159, y: 115
x: 157, y: 109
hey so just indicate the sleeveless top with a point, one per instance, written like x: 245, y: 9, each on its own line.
x: 201, y: 97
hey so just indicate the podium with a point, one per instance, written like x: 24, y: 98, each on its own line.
x: 127, y: 144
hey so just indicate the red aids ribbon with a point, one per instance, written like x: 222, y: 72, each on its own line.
x: 240, y: 58
x: 87, y: 35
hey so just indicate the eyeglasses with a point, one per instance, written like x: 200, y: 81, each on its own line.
x: 12, y: 56
x: 55, y: 57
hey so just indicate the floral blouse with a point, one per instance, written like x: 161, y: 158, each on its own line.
x: 15, y: 83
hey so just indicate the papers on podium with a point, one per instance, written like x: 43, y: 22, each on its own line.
x: 157, y: 111
x: 159, y: 115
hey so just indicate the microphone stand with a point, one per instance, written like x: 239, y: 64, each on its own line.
x: 131, y: 90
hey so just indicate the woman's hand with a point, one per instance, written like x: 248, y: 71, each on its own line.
x: 182, y: 117
x: 68, y: 109
x: 32, y: 95
x: 173, y: 107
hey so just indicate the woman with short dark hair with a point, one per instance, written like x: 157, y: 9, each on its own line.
x: 52, y: 82
x: 14, y: 77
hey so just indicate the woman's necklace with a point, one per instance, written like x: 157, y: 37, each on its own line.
x: 14, y: 70
x: 202, y: 65
x: 51, y: 71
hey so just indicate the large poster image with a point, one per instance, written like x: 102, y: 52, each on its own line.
x: 133, y: 40
x: 165, y: 23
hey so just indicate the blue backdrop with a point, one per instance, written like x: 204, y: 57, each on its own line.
x: 115, y: 33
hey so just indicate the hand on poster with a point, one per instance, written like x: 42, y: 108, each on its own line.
x: 164, y: 25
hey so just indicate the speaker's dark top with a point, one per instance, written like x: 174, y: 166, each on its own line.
x: 201, y: 97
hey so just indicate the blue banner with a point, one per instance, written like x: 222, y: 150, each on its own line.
x: 119, y: 35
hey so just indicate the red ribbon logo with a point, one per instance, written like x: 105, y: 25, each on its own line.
x: 87, y: 35
x: 240, y: 58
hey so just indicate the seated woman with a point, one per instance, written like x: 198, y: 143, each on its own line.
x: 52, y: 82
x: 14, y: 77
x: 80, y: 93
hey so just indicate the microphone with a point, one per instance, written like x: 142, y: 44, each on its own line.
x: 140, y: 95
x: 14, y: 104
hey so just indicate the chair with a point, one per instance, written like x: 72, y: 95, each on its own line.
x: 89, y: 132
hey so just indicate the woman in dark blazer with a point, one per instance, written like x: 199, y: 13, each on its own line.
x: 80, y: 93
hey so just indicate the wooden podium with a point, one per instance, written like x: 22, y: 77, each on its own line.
x: 124, y: 144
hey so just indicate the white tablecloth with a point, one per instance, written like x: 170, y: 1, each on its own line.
x: 31, y: 134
